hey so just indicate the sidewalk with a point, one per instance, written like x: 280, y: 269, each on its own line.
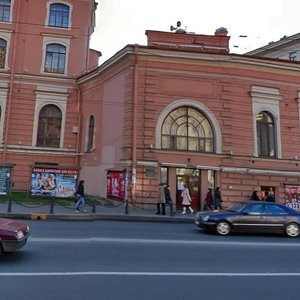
x: 98, y: 212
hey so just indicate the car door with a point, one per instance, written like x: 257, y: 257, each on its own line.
x: 249, y: 218
x: 274, y: 218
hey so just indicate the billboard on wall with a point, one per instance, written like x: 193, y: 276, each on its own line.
x: 5, y: 180
x: 292, y: 196
x: 115, y: 184
x: 60, y: 183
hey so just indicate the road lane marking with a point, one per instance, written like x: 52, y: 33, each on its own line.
x: 187, y: 274
x: 162, y: 242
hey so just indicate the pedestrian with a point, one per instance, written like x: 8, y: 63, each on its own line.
x: 80, y: 203
x: 269, y: 197
x: 208, y: 202
x: 218, y: 199
x: 186, y: 200
x: 254, y: 196
x: 161, y: 202
x: 169, y: 199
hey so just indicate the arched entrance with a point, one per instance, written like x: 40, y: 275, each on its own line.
x: 192, y: 178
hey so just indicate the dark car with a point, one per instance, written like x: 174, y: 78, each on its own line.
x: 254, y: 217
x: 13, y: 235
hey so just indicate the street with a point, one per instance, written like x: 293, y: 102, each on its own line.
x: 141, y: 260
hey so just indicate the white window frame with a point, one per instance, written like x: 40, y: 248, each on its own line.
x: 55, y: 40
x: 266, y: 99
x: 12, y: 2
x: 70, y: 14
x: 46, y: 95
x: 3, y: 100
x: 197, y: 105
x: 87, y: 134
x: 6, y: 35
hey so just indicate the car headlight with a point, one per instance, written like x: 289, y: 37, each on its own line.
x: 20, y: 235
x: 205, y: 218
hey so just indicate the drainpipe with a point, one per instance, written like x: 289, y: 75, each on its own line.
x: 12, y: 74
x: 77, y: 159
x: 134, y: 124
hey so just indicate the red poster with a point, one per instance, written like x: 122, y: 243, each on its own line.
x: 115, y: 185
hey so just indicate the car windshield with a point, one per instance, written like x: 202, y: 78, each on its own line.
x: 236, y: 207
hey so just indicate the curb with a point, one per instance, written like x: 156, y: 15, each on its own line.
x: 94, y: 217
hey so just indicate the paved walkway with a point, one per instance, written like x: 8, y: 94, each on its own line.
x: 98, y: 211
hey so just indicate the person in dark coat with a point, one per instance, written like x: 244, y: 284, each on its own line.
x: 80, y: 196
x: 218, y: 199
x: 209, y: 201
x: 254, y: 196
x: 168, y: 198
x: 269, y: 197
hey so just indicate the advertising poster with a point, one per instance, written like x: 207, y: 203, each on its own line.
x: 115, y: 185
x: 60, y: 183
x: 5, y: 180
x: 292, y: 196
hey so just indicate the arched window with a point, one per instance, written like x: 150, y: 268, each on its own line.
x: 49, y: 127
x: 5, y: 10
x: 90, y: 144
x: 3, y: 45
x: 55, y: 58
x: 186, y: 128
x: 59, y: 15
x: 265, y: 127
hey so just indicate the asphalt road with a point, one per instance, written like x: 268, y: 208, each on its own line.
x: 130, y: 260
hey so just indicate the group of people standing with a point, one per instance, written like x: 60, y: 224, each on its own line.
x: 213, y: 202
x: 165, y: 199
x: 263, y: 196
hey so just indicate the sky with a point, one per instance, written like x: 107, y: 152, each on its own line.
x: 123, y: 22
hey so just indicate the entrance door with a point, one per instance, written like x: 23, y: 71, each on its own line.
x: 192, y: 179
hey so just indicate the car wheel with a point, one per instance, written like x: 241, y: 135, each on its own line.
x: 292, y: 230
x: 223, y: 228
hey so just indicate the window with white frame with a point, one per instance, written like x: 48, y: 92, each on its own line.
x: 49, y: 126
x: 186, y: 124
x: 59, y: 15
x: 186, y: 128
x: 91, y: 129
x: 266, y: 122
x: 3, y: 47
x: 5, y: 7
x: 55, y: 60
x: 266, y: 138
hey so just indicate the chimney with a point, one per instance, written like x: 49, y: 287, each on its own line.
x: 222, y: 31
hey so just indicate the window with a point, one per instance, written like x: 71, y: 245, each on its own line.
x: 90, y: 145
x: 293, y: 56
x: 5, y: 10
x: 55, y: 58
x: 59, y: 15
x: 164, y: 175
x: 265, y: 128
x: 49, y: 126
x: 3, y: 45
x: 186, y: 128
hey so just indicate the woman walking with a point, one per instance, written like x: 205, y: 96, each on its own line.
x: 186, y: 200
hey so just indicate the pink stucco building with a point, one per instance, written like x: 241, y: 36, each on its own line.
x: 44, y: 46
x: 183, y: 109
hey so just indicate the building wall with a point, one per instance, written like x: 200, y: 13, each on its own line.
x: 230, y: 90
x: 26, y: 88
